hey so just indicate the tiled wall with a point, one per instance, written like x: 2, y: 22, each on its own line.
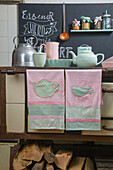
x: 8, y: 29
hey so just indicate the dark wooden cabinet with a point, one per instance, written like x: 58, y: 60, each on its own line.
x: 107, y: 75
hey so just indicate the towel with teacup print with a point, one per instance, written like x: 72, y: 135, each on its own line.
x: 83, y: 99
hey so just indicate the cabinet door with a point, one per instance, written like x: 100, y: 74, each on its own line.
x: 107, y: 106
x: 15, y: 118
x: 15, y: 88
x: 108, y: 124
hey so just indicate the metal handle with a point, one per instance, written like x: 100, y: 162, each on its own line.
x: 25, y: 36
x: 106, y: 128
x: 64, y: 30
x: 107, y: 90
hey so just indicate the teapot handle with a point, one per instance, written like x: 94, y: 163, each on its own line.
x: 29, y: 35
x: 56, y: 84
x: 101, y: 59
x: 84, y: 45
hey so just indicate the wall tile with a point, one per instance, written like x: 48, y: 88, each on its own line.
x: 10, y: 59
x: 4, y: 59
x: 3, y: 12
x: 3, y: 28
x: 12, y: 12
x: 3, y: 44
x: 12, y: 28
x: 11, y: 44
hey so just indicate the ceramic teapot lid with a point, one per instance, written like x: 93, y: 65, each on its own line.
x: 85, y: 51
x: 84, y: 48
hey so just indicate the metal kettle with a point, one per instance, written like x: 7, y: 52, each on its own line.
x: 23, y: 53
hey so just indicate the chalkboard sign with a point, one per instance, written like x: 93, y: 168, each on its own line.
x: 45, y: 21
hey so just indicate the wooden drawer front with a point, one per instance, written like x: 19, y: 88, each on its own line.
x: 107, y: 124
x: 15, y: 88
x: 15, y: 117
x: 107, y: 106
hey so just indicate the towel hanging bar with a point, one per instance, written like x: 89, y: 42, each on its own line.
x: 107, y: 90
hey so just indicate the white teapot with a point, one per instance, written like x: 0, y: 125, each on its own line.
x: 86, y: 58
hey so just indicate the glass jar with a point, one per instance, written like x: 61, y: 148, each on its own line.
x: 75, y: 27
x: 106, y: 24
x: 97, y: 25
x: 85, y: 25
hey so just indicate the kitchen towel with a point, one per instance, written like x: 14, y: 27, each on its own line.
x: 45, y: 98
x: 83, y: 99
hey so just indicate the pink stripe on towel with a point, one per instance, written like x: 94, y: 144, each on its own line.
x: 45, y: 103
x: 46, y: 117
x: 83, y: 120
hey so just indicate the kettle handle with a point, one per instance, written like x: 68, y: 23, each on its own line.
x: 25, y: 36
x: 101, y: 59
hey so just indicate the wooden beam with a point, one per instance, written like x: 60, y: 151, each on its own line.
x: 2, y: 103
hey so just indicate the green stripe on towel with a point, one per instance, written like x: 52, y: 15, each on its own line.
x: 46, y: 110
x: 82, y: 126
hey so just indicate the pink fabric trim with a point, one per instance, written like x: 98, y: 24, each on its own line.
x: 83, y: 120
x: 45, y: 103
x: 46, y: 117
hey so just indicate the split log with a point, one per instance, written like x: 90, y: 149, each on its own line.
x: 19, y: 163
x: 62, y: 159
x: 49, y: 167
x: 32, y: 152
x: 49, y: 157
x: 89, y: 165
x: 47, y: 148
x: 38, y: 166
x: 77, y: 163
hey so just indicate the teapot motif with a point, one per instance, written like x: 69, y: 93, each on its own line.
x: 45, y: 88
x: 86, y: 58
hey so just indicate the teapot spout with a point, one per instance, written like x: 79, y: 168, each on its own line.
x: 73, y: 56
x: 33, y: 83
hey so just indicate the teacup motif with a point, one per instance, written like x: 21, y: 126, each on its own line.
x: 45, y: 88
x: 81, y: 91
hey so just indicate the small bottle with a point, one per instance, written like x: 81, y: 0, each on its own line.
x: 106, y: 24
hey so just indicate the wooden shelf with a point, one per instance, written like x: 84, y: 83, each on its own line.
x: 93, y: 30
x: 67, y: 136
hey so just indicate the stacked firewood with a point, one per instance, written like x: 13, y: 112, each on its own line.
x: 39, y: 156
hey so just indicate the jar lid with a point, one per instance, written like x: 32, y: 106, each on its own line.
x: 106, y: 15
